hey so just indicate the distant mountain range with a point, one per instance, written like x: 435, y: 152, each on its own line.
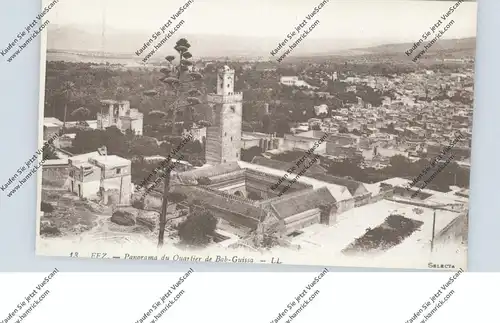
x: 119, y: 44
x: 462, y: 44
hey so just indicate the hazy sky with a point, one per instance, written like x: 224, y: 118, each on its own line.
x: 391, y: 20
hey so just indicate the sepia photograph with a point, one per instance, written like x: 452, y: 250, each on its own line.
x: 294, y: 132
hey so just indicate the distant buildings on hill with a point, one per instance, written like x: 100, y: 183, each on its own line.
x: 295, y: 81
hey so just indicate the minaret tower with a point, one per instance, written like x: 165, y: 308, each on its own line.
x: 224, y: 136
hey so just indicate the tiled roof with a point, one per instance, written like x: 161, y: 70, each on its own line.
x: 300, y: 203
x: 351, y: 185
x: 278, y: 199
x: 248, y: 215
x: 210, y: 171
x: 228, y: 176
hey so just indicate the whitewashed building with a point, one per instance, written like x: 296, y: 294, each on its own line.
x: 99, y: 176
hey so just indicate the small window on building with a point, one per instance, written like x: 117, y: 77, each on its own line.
x: 231, y: 138
x: 228, y: 86
x: 118, y: 170
x: 237, y: 155
x: 225, y: 134
x: 233, y: 108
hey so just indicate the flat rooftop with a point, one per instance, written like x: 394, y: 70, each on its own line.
x: 52, y: 120
x: 51, y: 125
x: 83, y: 157
x: 112, y: 160
x: 354, y: 223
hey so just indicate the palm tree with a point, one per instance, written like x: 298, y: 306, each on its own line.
x: 179, y: 81
x: 67, y: 89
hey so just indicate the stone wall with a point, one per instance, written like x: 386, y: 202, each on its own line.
x: 361, y: 200
x: 345, y: 205
x: 213, y: 148
x: 457, y: 207
x: 358, y: 201
x: 408, y: 193
x: 153, y: 201
x: 229, y: 196
x: 456, y: 230
x: 231, y: 131
x: 263, y: 182
x: 301, y: 221
x: 55, y: 175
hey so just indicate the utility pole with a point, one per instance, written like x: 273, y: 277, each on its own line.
x: 121, y: 185
x: 435, y: 207
x: 433, y: 229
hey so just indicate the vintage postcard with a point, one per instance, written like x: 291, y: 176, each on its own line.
x: 333, y: 133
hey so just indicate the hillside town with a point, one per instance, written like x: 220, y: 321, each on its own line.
x: 356, y: 194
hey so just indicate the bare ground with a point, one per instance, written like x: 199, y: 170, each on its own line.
x: 89, y: 220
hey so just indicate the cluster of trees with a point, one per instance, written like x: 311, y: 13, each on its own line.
x: 289, y: 156
x: 276, y: 123
x: 248, y: 154
x: 128, y: 145
x: 452, y: 174
x: 399, y: 166
x: 199, y: 227
x: 90, y: 140
x: 46, y: 207
x: 69, y: 86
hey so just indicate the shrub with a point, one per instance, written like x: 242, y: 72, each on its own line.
x: 46, y: 207
x: 176, y: 197
x: 198, y: 228
x: 49, y: 230
x: 204, y: 181
x: 392, y: 232
x: 270, y: 241
x: 123, y: 218
x: 138, y: 204
x: 254, y: 196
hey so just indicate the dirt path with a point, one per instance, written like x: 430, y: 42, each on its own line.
x: 103, y: 230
